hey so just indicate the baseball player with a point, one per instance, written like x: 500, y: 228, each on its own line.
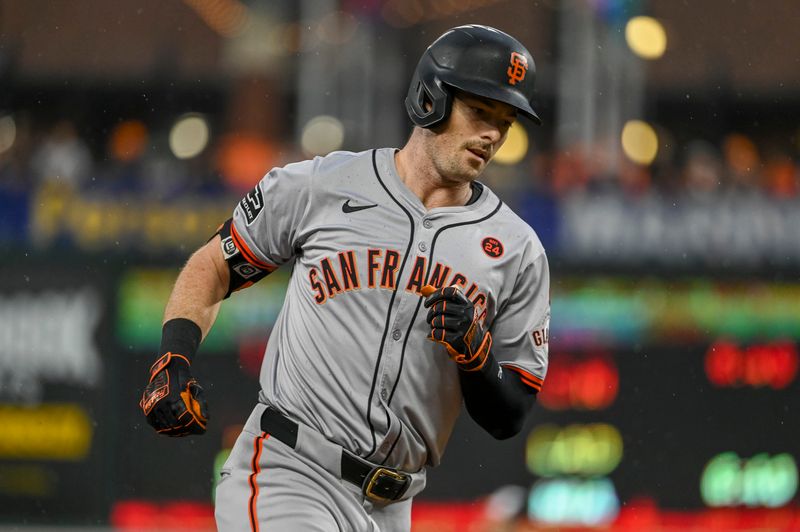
x: 413, y: 289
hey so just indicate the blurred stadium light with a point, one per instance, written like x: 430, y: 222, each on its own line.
x: 322, y: 135
x: 639, y: 142
x: 516, y: 146
x: 188, y: 136
x: 226, y: 17
x: 128, y: 140
x: 646, y: 37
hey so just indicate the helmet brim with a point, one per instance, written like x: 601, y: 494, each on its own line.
x: 498, y: 93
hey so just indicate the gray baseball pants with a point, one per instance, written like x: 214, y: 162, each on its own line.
x: 267, y: 486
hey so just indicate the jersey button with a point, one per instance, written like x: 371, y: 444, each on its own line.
x: 384, y: 394
x: 427, y: 224
x: 423, y: 247
x: 396, y: 334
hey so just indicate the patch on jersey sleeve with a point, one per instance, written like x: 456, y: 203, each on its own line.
x: 252, y: 204
x: 492, y: 247
x: 541, y: 334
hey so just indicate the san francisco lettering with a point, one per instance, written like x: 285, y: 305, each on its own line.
x: 341, y: 274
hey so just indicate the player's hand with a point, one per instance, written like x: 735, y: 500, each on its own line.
x: 173, y: 401
x: 455, y: 326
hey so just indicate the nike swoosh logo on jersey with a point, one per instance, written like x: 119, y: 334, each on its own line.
x: 346, y: 207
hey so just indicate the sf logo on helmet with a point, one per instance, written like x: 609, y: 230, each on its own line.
x: 518, y: 69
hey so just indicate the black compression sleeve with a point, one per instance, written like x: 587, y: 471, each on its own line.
x: 181, y: 336
x: 496, y: 399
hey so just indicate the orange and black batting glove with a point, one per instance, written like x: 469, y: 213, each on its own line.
x: 173, y: 401
x: 454, y: 324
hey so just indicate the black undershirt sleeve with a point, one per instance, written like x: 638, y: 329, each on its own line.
x: 496, y: 399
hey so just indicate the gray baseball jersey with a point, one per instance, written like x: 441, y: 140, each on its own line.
x: 348, y: 355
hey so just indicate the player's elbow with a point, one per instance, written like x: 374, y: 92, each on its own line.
x: 500, y: 426
x: 506, y: 430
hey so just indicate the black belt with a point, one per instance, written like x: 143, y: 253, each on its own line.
x: 381, y: 484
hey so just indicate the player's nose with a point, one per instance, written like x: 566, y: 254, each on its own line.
x: 491, y: 133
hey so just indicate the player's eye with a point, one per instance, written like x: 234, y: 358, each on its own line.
x: 478, y: 111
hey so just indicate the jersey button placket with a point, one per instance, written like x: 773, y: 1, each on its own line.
x: 426, y: 224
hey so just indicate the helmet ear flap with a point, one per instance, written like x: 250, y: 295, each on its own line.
x: 424, y: 100
x: 428, y: 101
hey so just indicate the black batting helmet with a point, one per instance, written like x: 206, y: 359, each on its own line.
x: 476, y: 59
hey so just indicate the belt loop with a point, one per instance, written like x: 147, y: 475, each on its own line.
x: 283, y: 428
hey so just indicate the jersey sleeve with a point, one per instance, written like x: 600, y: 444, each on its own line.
x: 268, y: 220
x: 521, y: 331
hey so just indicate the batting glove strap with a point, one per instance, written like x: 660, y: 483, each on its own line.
x: 173, y: 401
x: 473, y: 361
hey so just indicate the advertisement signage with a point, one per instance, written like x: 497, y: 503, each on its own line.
x: 56, y: 393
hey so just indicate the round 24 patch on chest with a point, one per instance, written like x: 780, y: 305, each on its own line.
x: 492, y: 247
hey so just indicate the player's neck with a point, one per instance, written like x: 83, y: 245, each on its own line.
x: 418, y: 173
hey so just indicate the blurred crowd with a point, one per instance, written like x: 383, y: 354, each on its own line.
x: 130, y: 159
x: 735, y: 163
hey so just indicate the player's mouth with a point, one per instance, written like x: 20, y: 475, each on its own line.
x: 482, y: 154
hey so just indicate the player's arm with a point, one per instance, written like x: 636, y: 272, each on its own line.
x: 501, y: 370
x: 259, y: 237
x: 495, y: 398
x: 200, y: 288
x: 173, y: 401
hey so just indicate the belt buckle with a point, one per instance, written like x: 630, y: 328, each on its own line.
x: 376, y: 475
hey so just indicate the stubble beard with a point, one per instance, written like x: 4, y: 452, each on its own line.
x: 454, y: 165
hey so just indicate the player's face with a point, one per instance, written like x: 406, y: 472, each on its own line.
x: 476, y: 129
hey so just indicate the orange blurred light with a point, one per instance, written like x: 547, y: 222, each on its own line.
x: 781, y: 178
x: 226, y: 17
x: 128, y: 140
x: 741, y: 153
x: 243, y: 159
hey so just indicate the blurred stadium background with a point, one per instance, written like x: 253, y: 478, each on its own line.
x: 665, y: 185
